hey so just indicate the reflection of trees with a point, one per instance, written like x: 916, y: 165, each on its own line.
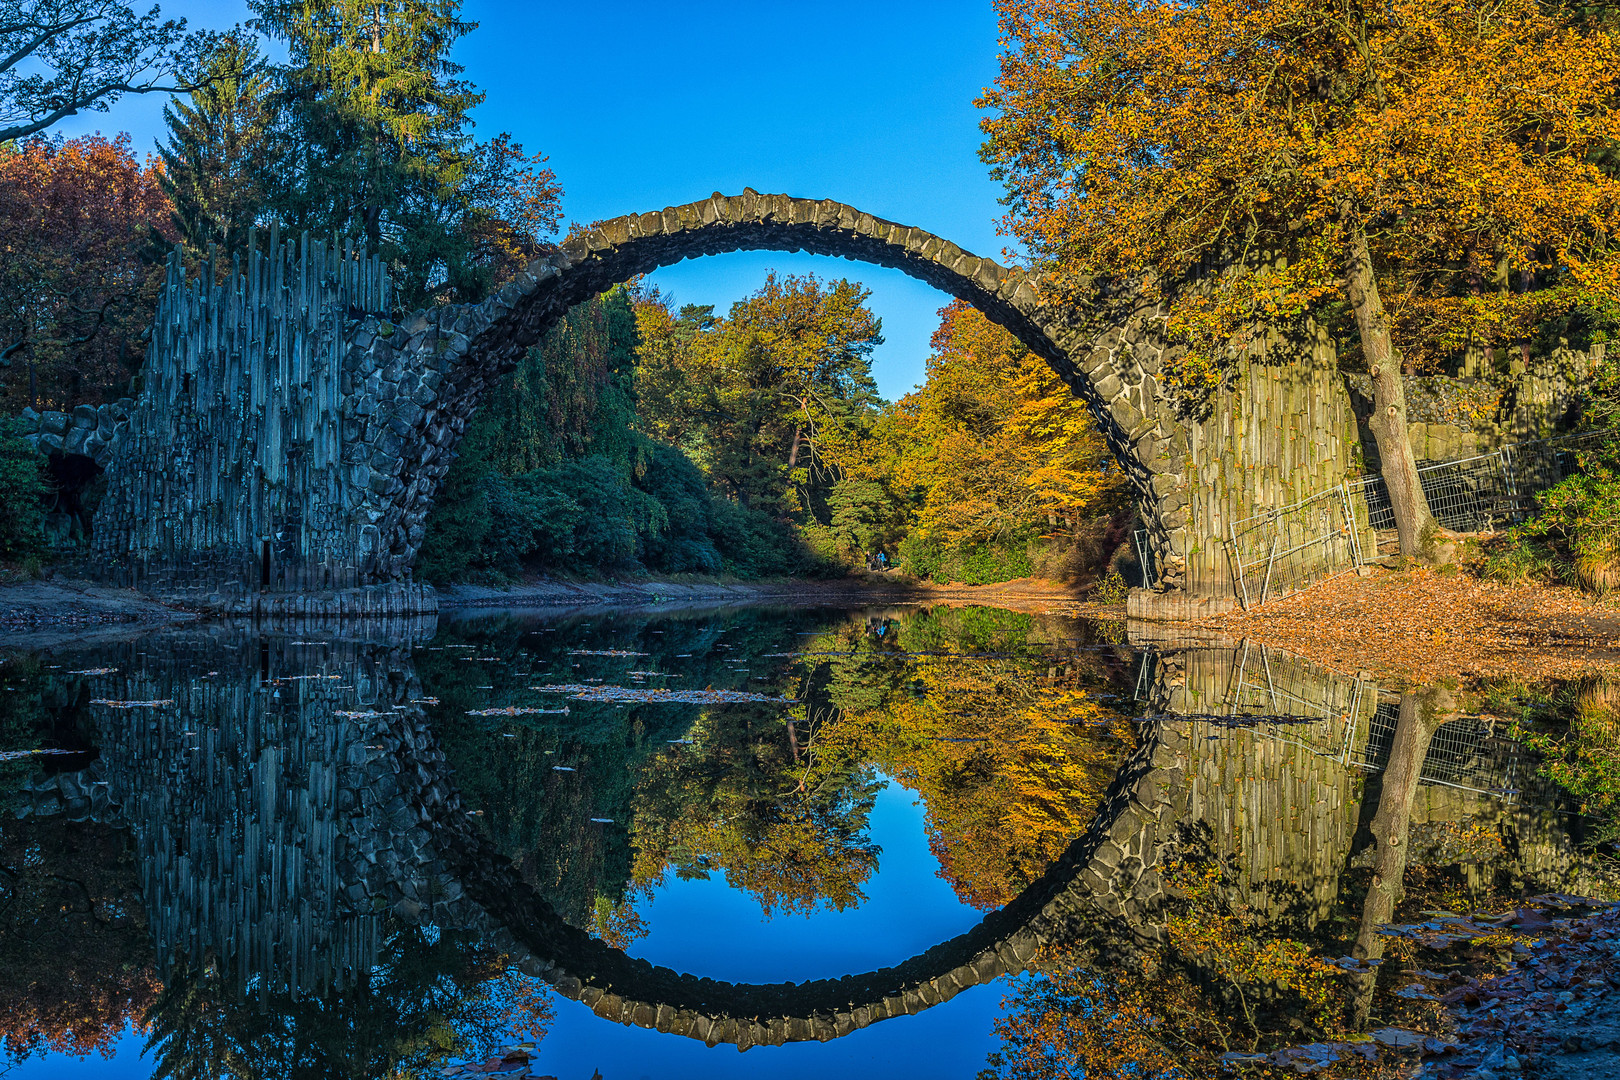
x: 1005, y: 749
x: 1421, y: 716
x: 431, y: 997
x: 540, y: 817
x: 75, y: 963
x: 743, y: 801
x: 1010, y: 751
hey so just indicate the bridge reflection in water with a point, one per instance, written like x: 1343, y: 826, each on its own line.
x: 287, y: 796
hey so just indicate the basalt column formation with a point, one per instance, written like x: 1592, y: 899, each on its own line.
x: 233, y: 475
x: 292, y: 434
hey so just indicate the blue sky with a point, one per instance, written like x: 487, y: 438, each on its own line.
x: 642, y: 105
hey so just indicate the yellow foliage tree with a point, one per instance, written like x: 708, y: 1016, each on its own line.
x: 992, y: 447
x: 1347, y: 149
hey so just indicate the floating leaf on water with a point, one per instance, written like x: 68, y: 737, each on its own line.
x: 518, y: 710
x: 653, y: 696
x: 1398, y: 1038
x: 18, y: 755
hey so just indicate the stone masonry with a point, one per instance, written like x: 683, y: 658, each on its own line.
x: 291, y: 437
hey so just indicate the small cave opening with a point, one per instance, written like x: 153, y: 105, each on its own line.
x: 76, y: 489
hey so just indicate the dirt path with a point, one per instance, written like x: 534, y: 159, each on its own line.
x: 1422, y: 625
x: 37, y: 613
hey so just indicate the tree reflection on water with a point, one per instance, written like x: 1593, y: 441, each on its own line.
x: 1296, y: 839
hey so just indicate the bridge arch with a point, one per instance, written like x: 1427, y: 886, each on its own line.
x: 459, y: 353
x: 289, y: 440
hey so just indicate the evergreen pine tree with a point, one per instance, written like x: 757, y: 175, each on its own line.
x: 377, y: 141
x: 217, y: 162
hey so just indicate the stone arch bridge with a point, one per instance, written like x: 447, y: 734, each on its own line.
x: 290, y: 438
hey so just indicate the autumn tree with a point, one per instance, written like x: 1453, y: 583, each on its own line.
x: 218, y: 160
x: 1276, y: 154
x: 62, y: 57
x: 756, y: 396
x: 82, y: 223
x: 992, y: 451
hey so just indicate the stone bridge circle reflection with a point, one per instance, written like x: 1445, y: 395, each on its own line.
x: 295, y: 791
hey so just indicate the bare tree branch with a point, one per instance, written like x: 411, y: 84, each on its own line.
x: 62, y: 57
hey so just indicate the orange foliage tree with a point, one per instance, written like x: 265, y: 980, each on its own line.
x: 81, y: 222
x: 995, y: 439
x: 1318, y: 149
x: 990, y: 452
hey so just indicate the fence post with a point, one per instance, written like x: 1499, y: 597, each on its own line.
x: 1350, y: 523
x: 1266, y: 586
x: 1237, y: 565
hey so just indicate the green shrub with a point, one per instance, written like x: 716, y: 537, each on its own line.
x: 1112, y: 589
x: 1515, y: 559
x: 23, y: 487
x: 754, y: 544
x: 968, y: 564
x: 685, y: 542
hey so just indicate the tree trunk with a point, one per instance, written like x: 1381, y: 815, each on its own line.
x: 793, y: 455
x: 1421, y: 715
x: 1413, y: 519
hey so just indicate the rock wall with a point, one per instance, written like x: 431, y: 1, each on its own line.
x: 233, y: 471
x: 1452, y: 418
x: 291, y: 436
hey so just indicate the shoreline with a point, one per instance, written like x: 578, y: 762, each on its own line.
x: 54, y: 607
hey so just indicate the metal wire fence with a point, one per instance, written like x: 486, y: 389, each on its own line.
x: 1483, y: 492
x: 1283, y: 550
x: 1466, y: 753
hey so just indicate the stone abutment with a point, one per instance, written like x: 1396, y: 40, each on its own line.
x: 291, y: 437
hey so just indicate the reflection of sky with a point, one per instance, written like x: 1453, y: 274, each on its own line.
x: 127, y: 1064
x: 705, y: 928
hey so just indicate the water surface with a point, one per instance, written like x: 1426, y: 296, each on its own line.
x: 642, y: 840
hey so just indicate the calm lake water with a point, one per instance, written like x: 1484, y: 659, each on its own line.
x: 640, y: 840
